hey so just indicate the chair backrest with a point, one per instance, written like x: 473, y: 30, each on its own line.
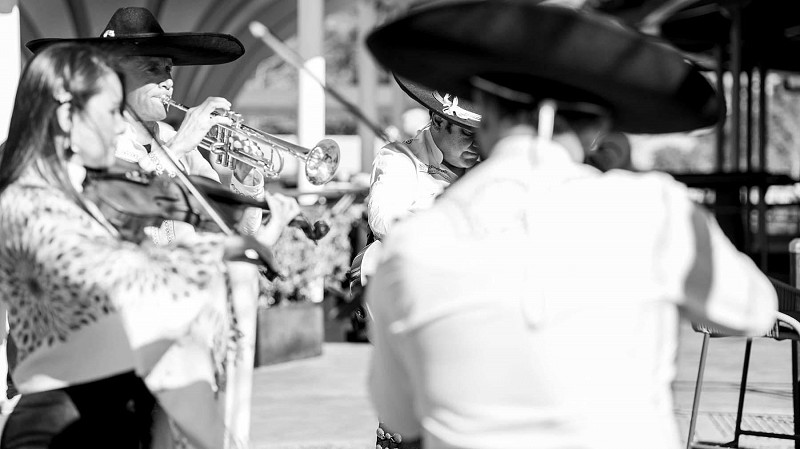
x: 794, y: 254
x: 788, y: 298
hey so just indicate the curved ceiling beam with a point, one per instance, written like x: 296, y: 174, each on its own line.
x: 193, y: 85
x: 278, y: 11
x: 155, y: 7
x: 80, y: 17
x: 227, y: 81
x: 28, y: 31
x: 233, y: 81
x: 215, y: 18
x: 278, y: 8
x: 212, y: 19
x: 285, y: 29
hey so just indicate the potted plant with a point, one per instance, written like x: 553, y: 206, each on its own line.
x: 290, y: 315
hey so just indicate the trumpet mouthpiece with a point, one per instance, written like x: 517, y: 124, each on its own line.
x: 258, y: 29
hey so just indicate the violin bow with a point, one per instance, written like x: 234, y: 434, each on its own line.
x: 216, y: 217
x: 260, y: 31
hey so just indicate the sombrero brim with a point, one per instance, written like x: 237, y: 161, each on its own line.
x: 549, y: 52
x: 427, y: 98
x: 183, y: 48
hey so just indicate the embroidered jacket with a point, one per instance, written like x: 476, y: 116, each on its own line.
x: 400, y: 185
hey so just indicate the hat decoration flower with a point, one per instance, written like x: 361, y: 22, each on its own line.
x: 451, y: 107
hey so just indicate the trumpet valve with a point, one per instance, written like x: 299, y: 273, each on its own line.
x: 236, y: 119
x: 223, y: 160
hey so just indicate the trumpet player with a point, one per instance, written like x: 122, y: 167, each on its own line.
x: 147, y: 57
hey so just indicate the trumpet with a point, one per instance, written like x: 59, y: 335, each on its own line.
x: 264, y: 151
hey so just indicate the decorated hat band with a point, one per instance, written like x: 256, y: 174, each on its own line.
x: 451, y: 107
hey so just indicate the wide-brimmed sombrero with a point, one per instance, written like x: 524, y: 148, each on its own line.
x: 136, y: 32
x: 449, y: 106
x: 548, y: 51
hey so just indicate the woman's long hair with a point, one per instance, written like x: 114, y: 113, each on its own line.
x: 60, y: 73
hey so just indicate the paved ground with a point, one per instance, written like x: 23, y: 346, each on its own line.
x: 318, y: 403
x: 768, y: 403
x: 321, y: 403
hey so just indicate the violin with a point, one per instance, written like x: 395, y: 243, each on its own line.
x: 235, y: 205
x: 131, y: 200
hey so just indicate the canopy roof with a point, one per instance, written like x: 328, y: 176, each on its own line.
x: 770, y: 29
x: 86, y: 18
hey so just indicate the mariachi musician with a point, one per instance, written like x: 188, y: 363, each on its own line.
x: 536, y: 303
x: 408, y: 176
x: 407, y: 181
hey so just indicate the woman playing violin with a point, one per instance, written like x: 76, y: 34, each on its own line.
x: 90, y: 313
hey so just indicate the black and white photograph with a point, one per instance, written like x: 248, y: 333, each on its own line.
x: 399, y: 224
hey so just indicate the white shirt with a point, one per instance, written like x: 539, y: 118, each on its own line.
x: 401, y: 184
x: 535, y: 305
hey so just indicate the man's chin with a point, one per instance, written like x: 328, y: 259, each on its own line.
x: 470, y: 160
x: 155, y: 116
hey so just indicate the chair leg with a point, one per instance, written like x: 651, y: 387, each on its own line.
x: 698, y: 387
x: 796, y: 391
x: 742, y: 390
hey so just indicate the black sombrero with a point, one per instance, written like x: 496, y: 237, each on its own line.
x: 547, y: 51
x: 452, y: 108
x: 136, y: 32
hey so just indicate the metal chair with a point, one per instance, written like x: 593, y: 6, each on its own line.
x: 786, y: 327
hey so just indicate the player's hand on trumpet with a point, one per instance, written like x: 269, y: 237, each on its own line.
x: 244, y: 172
x: 198, y: 121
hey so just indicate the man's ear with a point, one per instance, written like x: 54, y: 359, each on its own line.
x: 436, y: 122
x: 64, y: 117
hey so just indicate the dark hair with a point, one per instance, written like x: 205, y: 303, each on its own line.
x: 65, y: 72
x: 448, y: 124
x: 528, y: 113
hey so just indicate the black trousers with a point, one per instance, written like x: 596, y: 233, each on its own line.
x: 111, y: 412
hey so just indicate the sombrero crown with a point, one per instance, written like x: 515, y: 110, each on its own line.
x: 548, y: 51
x: 136, y: 32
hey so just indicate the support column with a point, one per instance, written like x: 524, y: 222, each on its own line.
x: 11, y: 61
x: 736, y: 86
x: 367, y: 83
x: 720, y: 141
x: 311, y: 96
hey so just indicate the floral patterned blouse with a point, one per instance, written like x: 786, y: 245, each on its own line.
x: 82, y: 303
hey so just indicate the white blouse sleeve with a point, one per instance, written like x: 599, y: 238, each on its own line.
x: 85, y: 273
x: 712, y: 282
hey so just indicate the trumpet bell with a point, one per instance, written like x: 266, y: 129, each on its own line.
x: 322, y: 162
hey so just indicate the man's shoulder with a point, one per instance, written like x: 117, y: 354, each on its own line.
x: 413, y: 147
x: 643, y: 184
